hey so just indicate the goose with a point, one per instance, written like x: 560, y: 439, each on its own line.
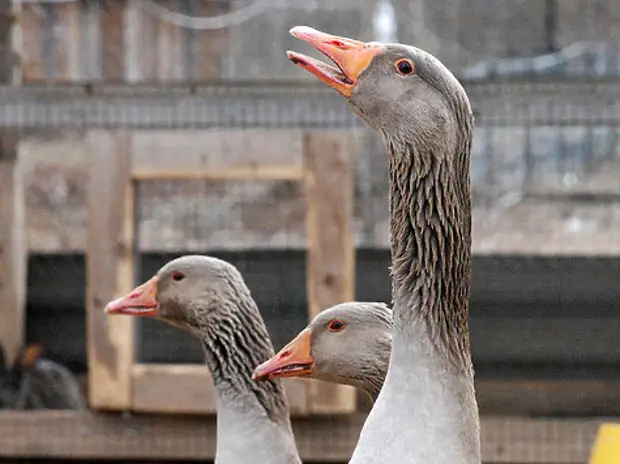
x: 426, y: 411
x: 348, y: 344
x: 209, y: 298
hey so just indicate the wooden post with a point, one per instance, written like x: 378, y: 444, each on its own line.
x: 109, y: 268
x: 331, y: 252
x: 13, y: 245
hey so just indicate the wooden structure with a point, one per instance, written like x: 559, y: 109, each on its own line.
x: 13, y: 250
x: 116, y: 381
x: 105, y: 436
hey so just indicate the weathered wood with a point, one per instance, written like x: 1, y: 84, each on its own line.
x: 67, y: 42
x: 331, y: 253
x: 31, y: 24
x: 213, y: 150
x: 13, y: 249
x: 71, y: 435
x: 155, y: 387
x: 109, y: 268
x: 209, y: 46
x: 131, y: 42
x: 249, y: 172
x: 548, y: 397
x: 112, y: 26
x: 169, y: 47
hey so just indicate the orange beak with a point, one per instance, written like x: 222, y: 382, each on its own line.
x: 351, y: 58
x: 293, y: 360
x: 140, y: 301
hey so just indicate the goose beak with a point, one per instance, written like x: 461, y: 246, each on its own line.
x: 293, y: 360
x: 140, y: 301
x: 351, y: 58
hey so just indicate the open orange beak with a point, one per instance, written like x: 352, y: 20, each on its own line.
x: 293, y: 360
x: 351, y: 58
x: 139, y: 302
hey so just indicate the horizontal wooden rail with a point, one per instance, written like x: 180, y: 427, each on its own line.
x: 249, y: 172
x: 86, y: 435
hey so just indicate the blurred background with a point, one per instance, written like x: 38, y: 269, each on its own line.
x: 135, y: 131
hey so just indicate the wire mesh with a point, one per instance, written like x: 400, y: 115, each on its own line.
x: 544, y: 168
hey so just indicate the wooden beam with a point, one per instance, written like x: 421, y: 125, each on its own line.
x: 249, y: 172
x: 111, y: 30
x: 85, y: 435
x: 548, y: 397
x: 68, y: 45
x: 154, y: 386
x: 109, y: 268
x: 331, y: 253
x: 13, y: 247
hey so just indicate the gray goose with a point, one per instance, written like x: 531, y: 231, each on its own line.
x: 426, y: 411
x: 209, y: 298
x: 347, y: 344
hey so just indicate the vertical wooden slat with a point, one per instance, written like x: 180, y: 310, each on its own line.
x: 90, y: 40
x: 31, y: 21
x: 109, y: 268
x: 169, y: 48
x: 131, y: 42
x: 331, y: 253
x: 112, y: 26
x: 67, y: 41
x: 13, y: 246
x: 210, y: 45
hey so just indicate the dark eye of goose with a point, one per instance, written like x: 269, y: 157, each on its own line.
x: 404, y: 66
x: 178, y: 276
x: 335, y: 325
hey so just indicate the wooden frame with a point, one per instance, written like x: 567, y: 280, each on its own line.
x: 116, y: 382
x: 13, y: 246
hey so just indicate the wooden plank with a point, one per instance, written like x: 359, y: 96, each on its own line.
x: 210, y: 47
x: 67, y: 41
x: 31, y: 22
x: 109, y: 269
x: 545, y: 339
x: 331, y: 253
x: 13, y: 248
x: 154, y: 387
x: 169, y: 47
x: 90, y: 64
x: 131, y: 42
x: 112, y: 26
x: 249, y: 172
x: 548, y: 397
x: 85, y: 435
x: 209, y: 150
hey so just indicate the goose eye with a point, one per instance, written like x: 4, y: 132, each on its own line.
x: 404, y: 67
x: 177, y: 276
x: 335, y: 326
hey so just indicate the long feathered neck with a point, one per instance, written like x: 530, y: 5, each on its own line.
x: 234, y: 345
x: 430, y: 241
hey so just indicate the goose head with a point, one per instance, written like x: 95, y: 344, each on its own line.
x: 403, y: 92
x: 192, y: 293
x: 347, y: 344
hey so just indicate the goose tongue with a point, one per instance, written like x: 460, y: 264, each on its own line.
x: 293, y: 360
x: 140, y: 301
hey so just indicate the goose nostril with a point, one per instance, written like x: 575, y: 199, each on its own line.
x: 285, y: 354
